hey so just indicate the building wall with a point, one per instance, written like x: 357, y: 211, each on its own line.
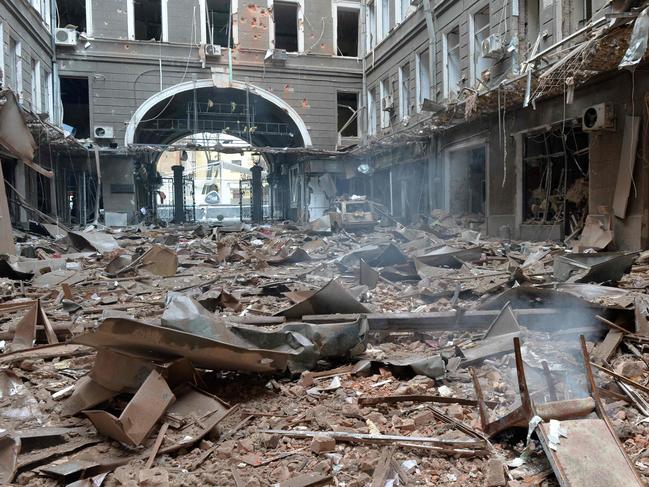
x: 124, y: 73
x: 22, y: 22
x: 505, y: 168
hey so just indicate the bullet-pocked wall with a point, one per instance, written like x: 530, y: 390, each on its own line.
x: 123, y: 73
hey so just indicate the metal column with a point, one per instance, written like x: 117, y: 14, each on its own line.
x: 257, y: 194
x: 179, y: 196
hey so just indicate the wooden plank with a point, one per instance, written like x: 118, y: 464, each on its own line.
x: 627, y: 165
x: 587, y: 455
x: 383, y: 468
x: 308, y: 480
x: 604, y: 350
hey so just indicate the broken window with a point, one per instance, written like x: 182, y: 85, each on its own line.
x: 286, y: 28
x: 532, y: 21
x: 467, y: 191
x: 371, y: 112
x: 385, y: 18
x: 347, y: 114
x: 371, y: 29
x: 148, y: 19
x: 75, y: 97
x: 423, y: 78
x: 555, y: 177
x: 401, y: 10
x: 582, y: 12
x: 219, y: 25
x: 15, y: 70
x: 47, y: 101
x: 452, y: 63
x: 36, y: 86
x: 480, y: 26
x: 72, y: 14
x: 386, y: 102
x: 404, y: 91
x: 347, y: 32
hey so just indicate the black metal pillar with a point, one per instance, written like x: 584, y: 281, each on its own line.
x: 257, y: 194
x: 179, y: 197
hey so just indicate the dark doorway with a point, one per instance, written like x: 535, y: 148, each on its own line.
x: 467, y: 181
x: 285, y: 16
x: 75, y: 96
x: 347, y: 32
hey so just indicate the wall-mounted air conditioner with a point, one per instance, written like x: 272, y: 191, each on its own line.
x: 279, y: 55
x: 103, y: 132
x: 66, y: 37
x: 492, y: 47
x: 387, y: 103
x: 212, y: 50
x: 598, y: 117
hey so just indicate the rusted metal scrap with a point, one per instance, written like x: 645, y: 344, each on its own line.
x: 140, y: 415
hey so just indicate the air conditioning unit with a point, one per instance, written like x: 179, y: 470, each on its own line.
x: 279, y: 55
x: 598, y: 117
x: 492, y: 47
x: 103, y: 132
x: 212, y: 50
x: 66, y: 37
x: 387, y: 103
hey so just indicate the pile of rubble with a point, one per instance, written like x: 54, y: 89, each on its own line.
x: 275, y: 355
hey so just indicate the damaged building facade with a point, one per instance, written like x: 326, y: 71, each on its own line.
x: 138, y: 76
x: 27, y: 79
x: 513, y: 116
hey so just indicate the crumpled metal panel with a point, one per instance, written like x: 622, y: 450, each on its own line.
x: 637, y: 43
x: 101, y: 242
x: 331, y: 299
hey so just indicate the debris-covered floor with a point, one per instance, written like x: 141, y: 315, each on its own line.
x: 238, y: 356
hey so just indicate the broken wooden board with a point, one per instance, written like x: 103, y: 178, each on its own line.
x: 604, y: 350
x: 627, y: 166
x: 307, y: 480
x: 588, y: 455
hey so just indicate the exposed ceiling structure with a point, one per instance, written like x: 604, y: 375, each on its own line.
x: 219, y: 110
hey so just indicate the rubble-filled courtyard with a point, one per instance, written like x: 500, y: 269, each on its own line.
x: 278, y: 355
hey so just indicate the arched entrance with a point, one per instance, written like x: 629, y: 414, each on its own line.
x: 201, y: 106
x: 234, y: 108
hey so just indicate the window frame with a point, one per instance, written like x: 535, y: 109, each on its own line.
x: 446, y: 89
x: 424, y: 54
x: 300, y: 25
x: 130, y: 14
x: 346, y: 6
x: 384, y: 91
x: 404, y: 108
x: 36, y: 88
x: 474, y: 49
